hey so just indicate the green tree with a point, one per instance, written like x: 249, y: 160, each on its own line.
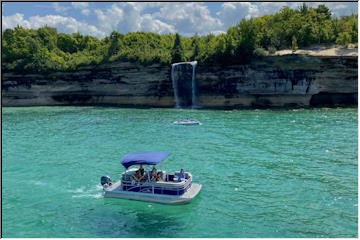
x: 304, y: 9
x: 42, y: 50
x: 66, y: 43
x: 323, y: 11
x: 343, y: 39
x: 48, y: 36
x: 195, y: 44
x: 113, y: 46
x: 177, y: 50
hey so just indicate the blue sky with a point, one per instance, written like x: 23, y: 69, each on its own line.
x: 100, y: 19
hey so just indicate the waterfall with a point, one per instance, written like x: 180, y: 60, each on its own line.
x: 175, y: 83
x: 193, y: 84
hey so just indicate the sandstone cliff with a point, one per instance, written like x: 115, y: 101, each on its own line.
x: 272, y: 81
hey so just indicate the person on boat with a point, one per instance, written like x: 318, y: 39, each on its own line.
x: 139, y: 174
x: 181, y: 175
x: 141, y: 169
x: 153, y: 174
x: 159, y: 178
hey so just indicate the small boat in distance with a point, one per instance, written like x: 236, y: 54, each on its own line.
x: 187, y: 121
x: 157, y: 186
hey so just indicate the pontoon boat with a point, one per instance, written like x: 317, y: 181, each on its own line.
x: 166, y: 188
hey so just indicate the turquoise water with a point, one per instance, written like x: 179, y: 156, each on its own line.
x: 265, y: 173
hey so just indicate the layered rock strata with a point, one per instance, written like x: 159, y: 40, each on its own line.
x: 272, y: 81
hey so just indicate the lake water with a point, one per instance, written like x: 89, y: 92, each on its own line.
x: 265, y: 173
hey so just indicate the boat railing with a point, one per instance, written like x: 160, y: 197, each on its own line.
x: 160, y: 187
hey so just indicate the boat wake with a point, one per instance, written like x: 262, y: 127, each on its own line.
x: 37, y: 183
x: 82, y: 192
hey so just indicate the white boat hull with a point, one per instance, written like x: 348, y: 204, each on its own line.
x: 187, y: 123
x: 115, y: 191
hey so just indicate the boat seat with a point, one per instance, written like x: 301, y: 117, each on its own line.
x: 128, y: 176
x: 162, y: 174
x: 170, y: 177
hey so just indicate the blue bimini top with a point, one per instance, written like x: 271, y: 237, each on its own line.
x: 147, y: 158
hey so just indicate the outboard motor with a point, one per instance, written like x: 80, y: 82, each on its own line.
x: 105, y: 181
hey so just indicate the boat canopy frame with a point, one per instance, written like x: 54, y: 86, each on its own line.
x: 145, y: 158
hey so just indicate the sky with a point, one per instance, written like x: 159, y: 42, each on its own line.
x: 99, y: 19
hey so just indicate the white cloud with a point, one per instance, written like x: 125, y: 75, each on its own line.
x: 14, y: 20
x: 128, y: 17
x: 149, y: 24
x: 186, y: 18
x: 82, y: 6
x: 271, y: 7
x: 232, y: 12
x: 109, y: 20
x: 189, y: 18
x: 218, y: 32
x: 86, y: 11
x: 59, y: 8
x: 63, y: 24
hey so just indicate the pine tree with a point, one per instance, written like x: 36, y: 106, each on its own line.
x: 177, y: 51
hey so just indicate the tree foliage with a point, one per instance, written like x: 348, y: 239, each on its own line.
x: 44, y: 49
x: 177, y: 54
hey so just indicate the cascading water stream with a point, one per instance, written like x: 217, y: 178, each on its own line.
x: 175, y: 83
x: 175, y: 86
x: 193, y: 84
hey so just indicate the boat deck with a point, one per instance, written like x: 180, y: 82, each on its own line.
x: 115, y: 191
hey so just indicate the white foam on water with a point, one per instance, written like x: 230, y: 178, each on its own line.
x: 236, y: 189
x: 37, y: 183
x: 93, y: 192
x: 98, y: 195
x: 77, y: 190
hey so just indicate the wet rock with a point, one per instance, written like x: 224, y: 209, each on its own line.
x: 274, y: 81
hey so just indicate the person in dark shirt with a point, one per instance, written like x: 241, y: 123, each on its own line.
x: 139, y: 174
x: 153, y: 174
x: 181, y: 175
x: 141, y: 169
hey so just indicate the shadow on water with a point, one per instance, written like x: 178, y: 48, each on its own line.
x: 126, y: 218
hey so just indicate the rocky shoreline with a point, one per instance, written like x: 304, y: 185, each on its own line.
x: 290, y: 80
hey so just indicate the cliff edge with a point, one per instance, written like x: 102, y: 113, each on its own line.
x: 283, y: 80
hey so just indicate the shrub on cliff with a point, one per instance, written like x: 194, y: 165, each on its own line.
x: 260, y: 52
x: 44, y: 49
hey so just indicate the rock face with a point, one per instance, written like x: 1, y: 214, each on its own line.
x: 124, y: 83
x: 274, y: 81
x: 279, y: 82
